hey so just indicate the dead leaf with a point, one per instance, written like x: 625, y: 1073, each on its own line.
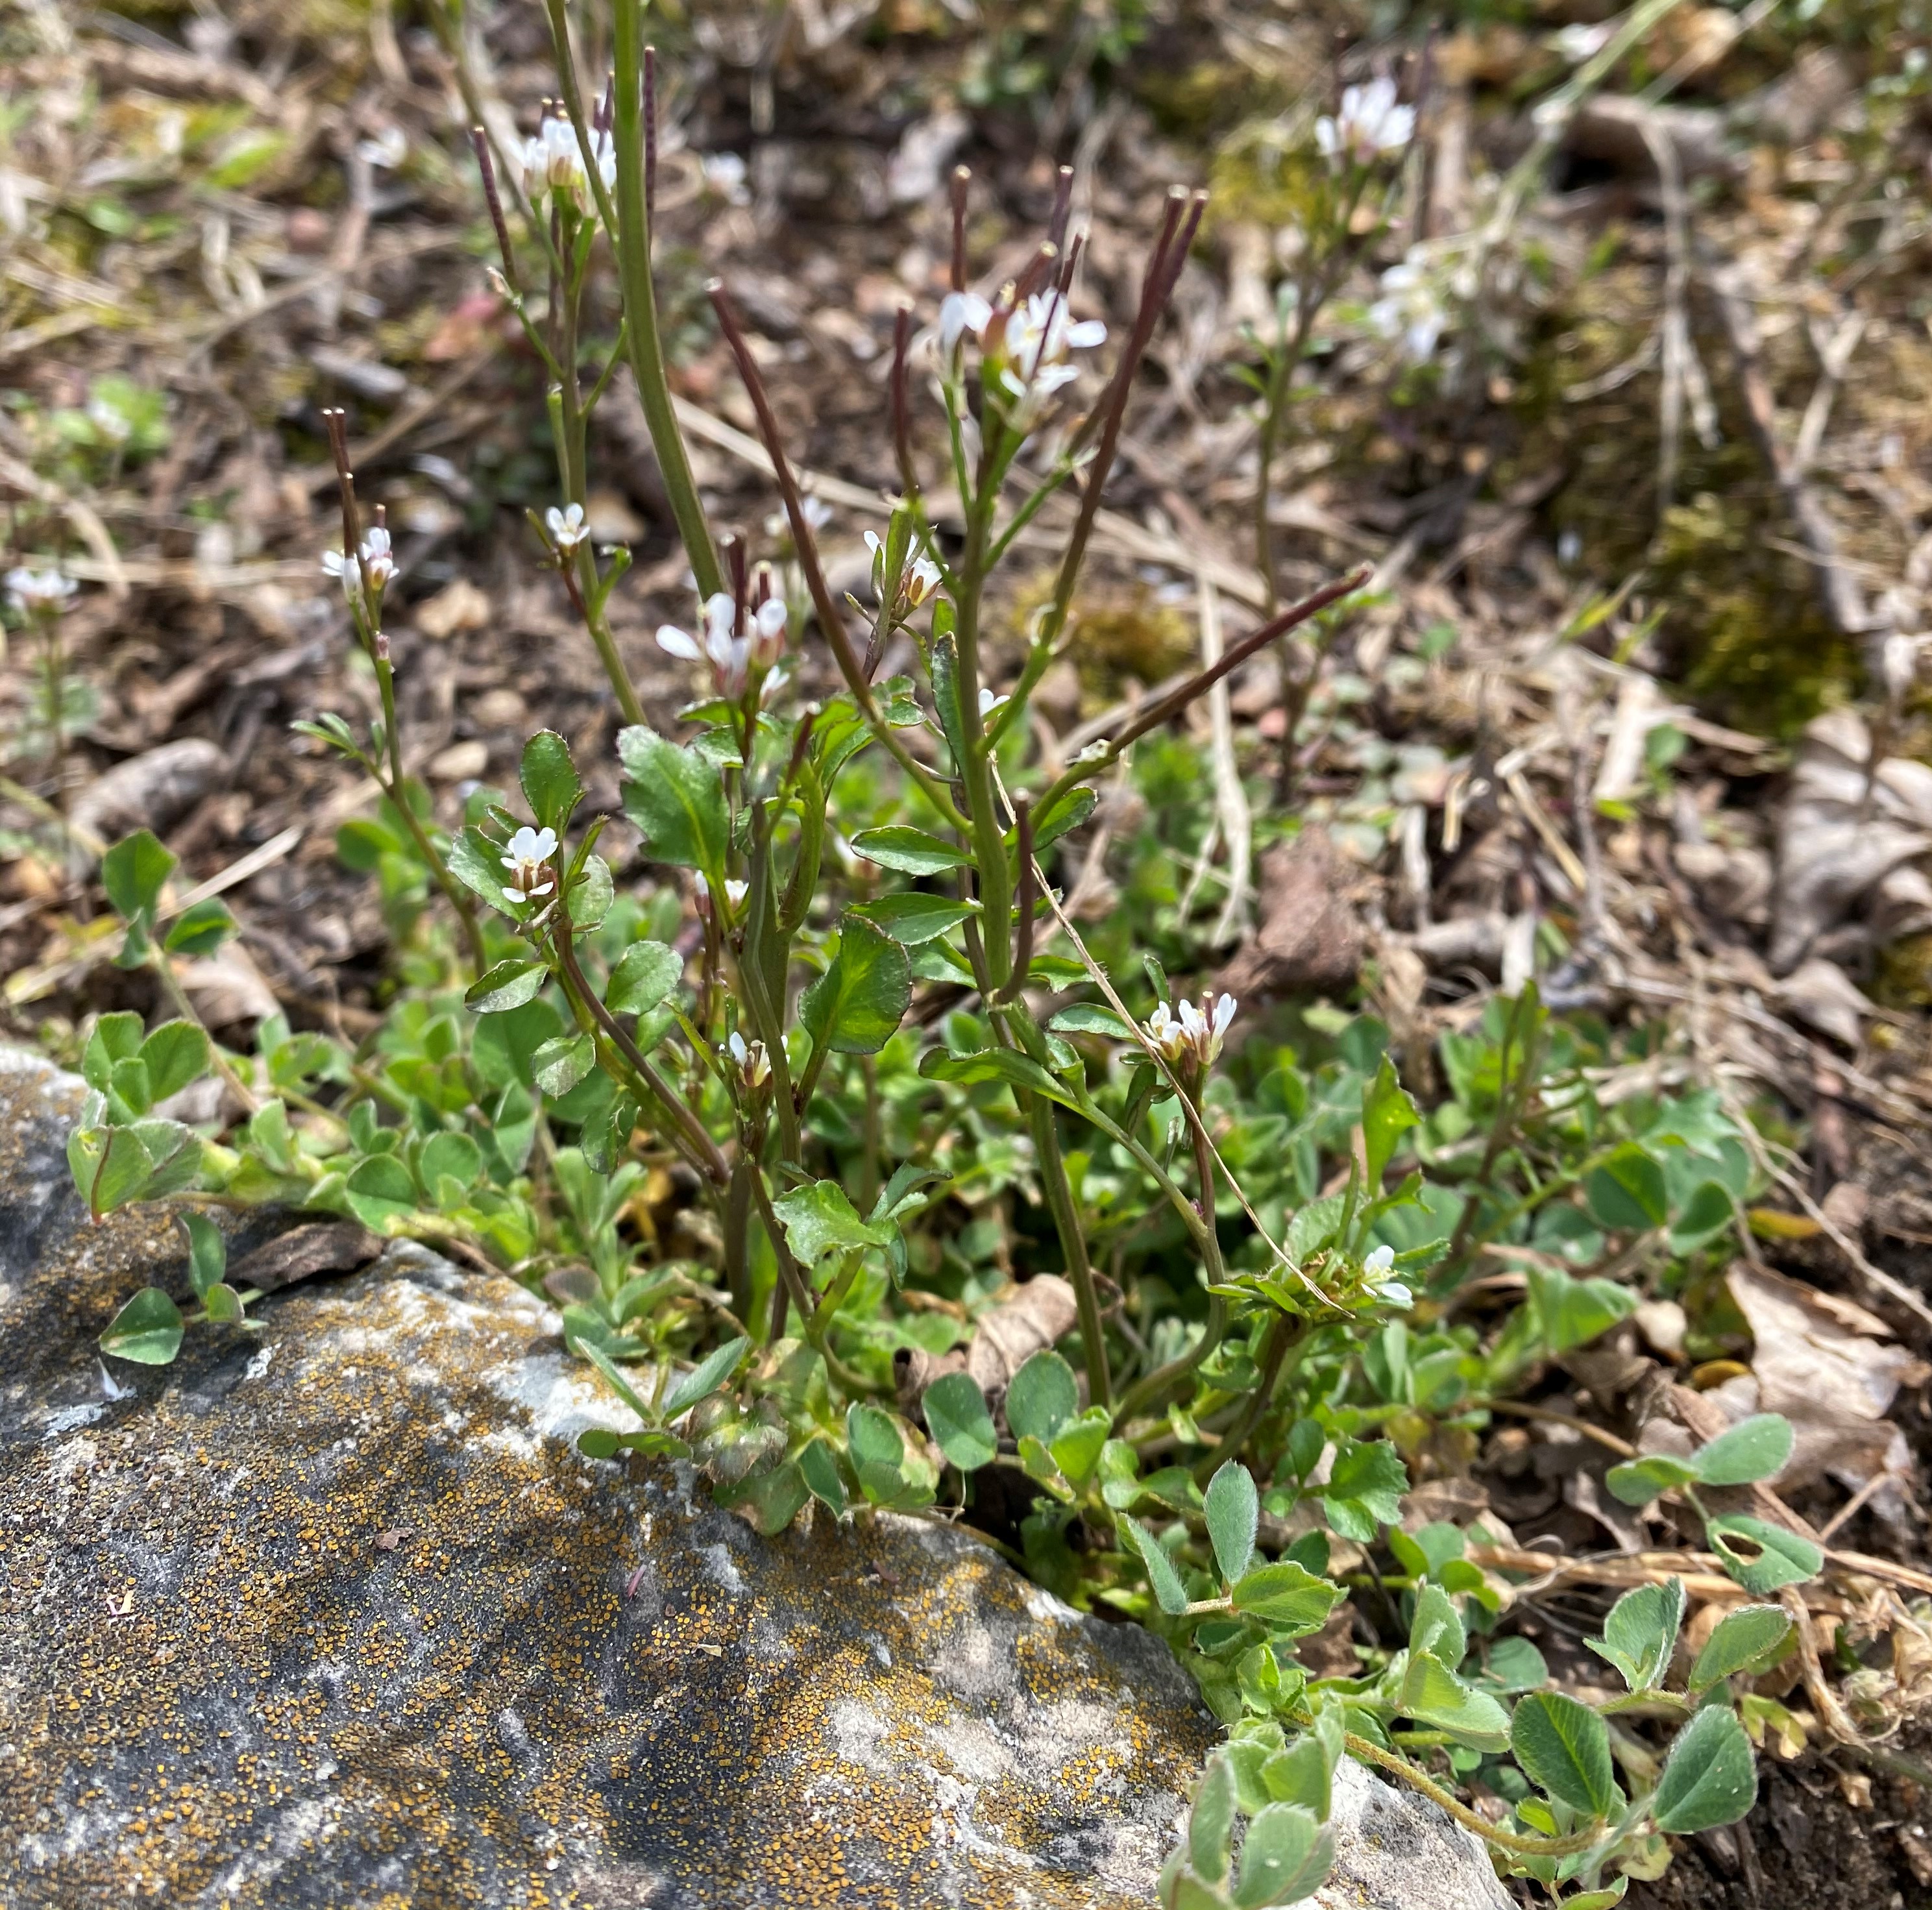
x: 389, y: 1540
x: 1831, y: 1368
x: 227, y: 989
x: 148, y: 791
x: 1008, y: 1335
x: 318, y: 1246
x: 458, y: 607
x: 1820, y: 994
x: 1310, y: 938
x: 1841, y: 831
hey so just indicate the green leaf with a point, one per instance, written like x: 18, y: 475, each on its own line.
x: 1210, y: 1824
x: 380, y: 1190
x: 674, y: 797
x: 1710, y: 1779
x: 911, y: 851
x: 1636, y: 1481
x: 1042, y: 1398
x: 1628, y: 1191
x: 1763, y: 1557
x: 477, y: 864
x: 508, y: 985
x: 819, y: 1219
x: 1077, y: 1446
x: 1233, y: 1509
x: 1640, y: 1634
x: 562, y: 1062
x: 1287, y: 1857
x: 207, y: 1253
x: 1755, y: 1448
x: 1597, y: 1899
x: 1563, y: 1748
x: 590, y: 1350
x: 109, y: 1165
x: 147, y: 1330
x: 1516, y: 1665
x: 996, y: 1064
x: 1570, y: 1313
x: 1090, y: 1017
x: 1746, y: 1639
x: 911, y: 919
x: 599, y: 1442
x: 591, y: 893
x: 1286, y: 1597
x: 820, y: 1470
x: 133, y: 873
x: 1388, y: 1113
x: 1433, y: 1694
x: 1437, y: 1626
x: 1364, y: 1489
x: 856, y: 1006
x: 175, y: 1054
x: 223, y: 1304
x: 199, y: 929
x: 704, y: 1379
x: 115, y: 1037
x: 646, y: 972
x: 1068, y: 814
x: 451, y: 1157
x: 1170, y: 1594
x: 956, y: 1417
x: 550, y: 780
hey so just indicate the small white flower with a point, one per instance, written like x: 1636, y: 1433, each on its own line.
x: 1411, y: 308
x: 961, y: 313
x: 754, y: 1064
x: 818, y: 512
x: 922, y: 580
x: 1191, y: 1030
x: 38, y: 593
x: 552, y: 161
x: 732, y: 657
x: 379, y: 564
x: 989, y: 701
x: 1368, y: 123
x: 110, y: 420
x: 1377, y: 1261
x: 526, y: 856
x: 1031, y: 347
x: 387, y: 150
x: 566, y: 527
x: 725, y: 173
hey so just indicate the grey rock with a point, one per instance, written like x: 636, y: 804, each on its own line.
x: 331, y: 1612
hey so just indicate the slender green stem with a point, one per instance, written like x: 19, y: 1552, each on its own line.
x: 1370, y: 1752
x: 627, y: 222
x: 1073, y: 1245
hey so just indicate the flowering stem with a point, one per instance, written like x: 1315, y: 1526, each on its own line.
x: 1073, y: 1243
x: 627, y: 222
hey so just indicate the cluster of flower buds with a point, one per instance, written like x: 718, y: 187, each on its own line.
x: 527, y: 857
x: 1378, y: 1265
x: 38, y: 593
x: 1368, y: 122
x: 552, y: 161
x: 743, y: 639
x: 378, y: 565
x: 753, y: 1064
x: 1191, y: 1034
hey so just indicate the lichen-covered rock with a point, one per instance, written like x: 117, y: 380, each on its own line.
x: 333, y: 1613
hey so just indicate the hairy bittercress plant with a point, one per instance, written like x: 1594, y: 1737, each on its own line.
x: 739, y: 1029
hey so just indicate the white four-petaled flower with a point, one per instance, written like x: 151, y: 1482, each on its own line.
x: 754, y: 1064
x: 526, y: 856
x: 961, y: 313
x: 1378, y: 1263
x: 1034, y: 351
x: 1411, y: 307
x: 566, y: 527
x: 1188, y: 1030
x: 552, y: 161
x: 1368, y: 122
x: 379, y: 563
x: 733, y: 655
x: 38, y: 593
